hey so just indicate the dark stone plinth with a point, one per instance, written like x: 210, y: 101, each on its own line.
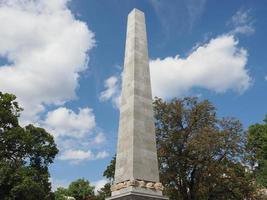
x: 137, y: 197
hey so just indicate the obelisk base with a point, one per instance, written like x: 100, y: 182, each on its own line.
x: 137, y: 196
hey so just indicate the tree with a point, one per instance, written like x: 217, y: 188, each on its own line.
x: 81, y: 190
x: 200, y: 156
x: 61, y: 193
x: 109, y: 173
x: 9, y: 111
x: 25, y: 154
x: 257, y: 147
x: 104, y: 192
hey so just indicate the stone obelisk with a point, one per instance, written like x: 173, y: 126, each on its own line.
x: 136, y: 173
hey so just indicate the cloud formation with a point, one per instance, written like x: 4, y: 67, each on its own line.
x: 75, y: 133
x: 65, y: 122
x: 178, y: 16
x: 46, y: 49
x: 112, y: 91
x: 99, y: 139
x: 242, y: 23
x: 218, y: 65
x: 76, y: 156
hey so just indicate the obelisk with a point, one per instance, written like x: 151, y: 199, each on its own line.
x: 136, y: 172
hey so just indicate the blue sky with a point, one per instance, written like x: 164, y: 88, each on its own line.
x: 63, y: 59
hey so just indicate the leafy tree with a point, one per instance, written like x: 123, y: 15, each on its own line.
x: 104, y: 192
x: 25, y: 154
x: 9, y: 111
x: 109, y: 173
x: 81, y: 190
x: 257, y: 147
x: 61, y: 193
x: 200, y: 156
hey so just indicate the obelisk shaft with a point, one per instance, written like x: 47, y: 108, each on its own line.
x: 136, y: 150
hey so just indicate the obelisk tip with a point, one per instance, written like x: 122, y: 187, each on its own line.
x: 135, y: 10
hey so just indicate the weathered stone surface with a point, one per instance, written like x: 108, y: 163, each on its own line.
x: 136, y: 149
x: 136, y: 161
x: 142, y: 184
x: 150, y: 185
x: 158, y: 186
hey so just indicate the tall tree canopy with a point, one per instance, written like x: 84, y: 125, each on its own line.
x: 25, y: 154
x: 200, y: 155
x: 257, y: 147
x: 109, y: 173
x: 104, y: 192
x: 80, y: 189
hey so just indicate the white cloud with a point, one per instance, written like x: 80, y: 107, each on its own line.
x: 75, y: 131
x: 111, y: 86
x: 47, y: 50
x: 241, y: 17
x: 101, y: 155
x: 112, y: 91
x: 77, y: 156
x: 219, y: 65
x: 245, y: 29
x: 179, y: 15
x: 265, y: 78
x: 65, y: 122
x: 99, y: 184
x: 242, y: 23
x: 99, y: 139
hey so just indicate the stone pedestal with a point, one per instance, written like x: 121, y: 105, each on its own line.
x: 137, y: 196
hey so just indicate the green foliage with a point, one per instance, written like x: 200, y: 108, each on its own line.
x: 61, y: 193
x: 109, y: 173
x: 9, y: 111
x: 25, y: 154
x: 27, y: 146
x: 104, y: 192
x: 257, y: 147
x: 79, y: 189
x: 200, y: 156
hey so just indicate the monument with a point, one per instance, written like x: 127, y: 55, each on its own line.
x: 136, y: 172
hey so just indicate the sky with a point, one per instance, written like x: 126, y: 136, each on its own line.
x: 63, y: 59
